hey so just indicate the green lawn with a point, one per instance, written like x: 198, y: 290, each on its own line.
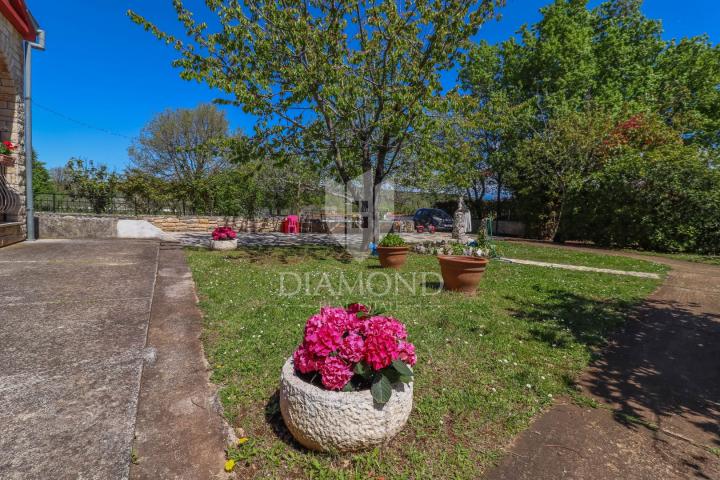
x: 568, y: 256
x: 486, y: 365
x: 688, y: 257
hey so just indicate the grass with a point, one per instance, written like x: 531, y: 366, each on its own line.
x: 575, y: 257
x: 486, y: 365
x: 688, y: 257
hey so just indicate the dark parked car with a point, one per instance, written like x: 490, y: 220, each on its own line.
x: 440, y: 219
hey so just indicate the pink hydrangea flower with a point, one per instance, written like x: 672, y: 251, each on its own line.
x: 407, y: 353
x: 355, y: 308
x: 335, y: 316
x: 325, y: 340
x: 335, y: 373
x: 336, y: 339
x: 380, y: 350
x: 389, y: 325
x: 313, y: 324
x: 353, y: 348
x: 304, y: 361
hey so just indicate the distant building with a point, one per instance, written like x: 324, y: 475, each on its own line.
x: 17, y: 27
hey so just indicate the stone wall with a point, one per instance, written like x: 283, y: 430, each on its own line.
x: 12, y: 117
x: 52, y: 225
x: 68, y: 225
x: 207, y: 224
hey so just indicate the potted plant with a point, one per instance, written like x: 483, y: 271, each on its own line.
x: 223, y: 238
x: 462, y: 265
x: 392, y: 251
x: 6, y: 149
x: 349, y: 385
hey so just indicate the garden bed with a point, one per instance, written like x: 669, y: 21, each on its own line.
x: 486, y: 365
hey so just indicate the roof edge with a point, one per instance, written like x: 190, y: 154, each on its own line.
x: 20, y: 18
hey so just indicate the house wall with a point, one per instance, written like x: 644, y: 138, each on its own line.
x: 12, y: 119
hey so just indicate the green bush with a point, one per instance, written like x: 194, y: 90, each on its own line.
x: 392, y: 240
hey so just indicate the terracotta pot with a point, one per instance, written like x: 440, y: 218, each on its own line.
x: 6, y: 161
x: 462, y: 273
x: 392, y: 257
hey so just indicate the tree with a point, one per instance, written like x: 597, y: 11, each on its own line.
x: 349, y: 83
x: 559, y: 159
x: 688, y: 90
x: 627, y: 47
x: 42, y: 183
x: 584, y: 75
x: 184, y: 146
x: 94, y: 183
x: 148, y: 193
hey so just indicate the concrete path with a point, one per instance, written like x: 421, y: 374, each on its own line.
x: 579, y: 268
x: 179, y: 432
x: 658, y: 387
x: 74, y: 320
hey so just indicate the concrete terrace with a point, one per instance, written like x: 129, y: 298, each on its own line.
x: 82, y: 326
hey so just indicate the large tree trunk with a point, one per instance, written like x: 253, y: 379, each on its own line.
x: 368, y: 211
x: 551, y: 222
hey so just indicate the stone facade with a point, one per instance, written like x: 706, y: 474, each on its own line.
x: 12, y: 118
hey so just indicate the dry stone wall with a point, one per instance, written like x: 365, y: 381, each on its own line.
x: 202, y: 224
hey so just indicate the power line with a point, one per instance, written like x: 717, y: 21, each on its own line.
x: 80, y: 122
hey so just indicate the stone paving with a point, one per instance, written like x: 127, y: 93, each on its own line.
x: 81, y: 323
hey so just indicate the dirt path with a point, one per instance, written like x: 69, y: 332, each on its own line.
x: 657, y: 385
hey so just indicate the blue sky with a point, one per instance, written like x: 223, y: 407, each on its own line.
x: 102, y: 77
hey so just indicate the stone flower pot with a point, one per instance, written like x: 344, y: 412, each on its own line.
x: 223, y: 244
x: 340, y: 421
x: 392, y: 257
x: 462, y: 273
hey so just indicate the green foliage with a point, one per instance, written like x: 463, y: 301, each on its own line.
x: 596, y: 120
x: 183, y: 148
x: 42, y: 183
x: 392, y: 240
x: 381, y: 389
x: 93, y: 182
x: 666, y: 199
x: 346, y: 83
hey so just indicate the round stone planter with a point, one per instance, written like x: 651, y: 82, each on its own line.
x: 340, y: 421
x: 462, y: 273
x: 392, y: 257
x: 223, y: 244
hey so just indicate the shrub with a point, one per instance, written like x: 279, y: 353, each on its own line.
x: 392, y: 240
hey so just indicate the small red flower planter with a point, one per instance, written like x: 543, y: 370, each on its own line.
x: 6, y: 149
